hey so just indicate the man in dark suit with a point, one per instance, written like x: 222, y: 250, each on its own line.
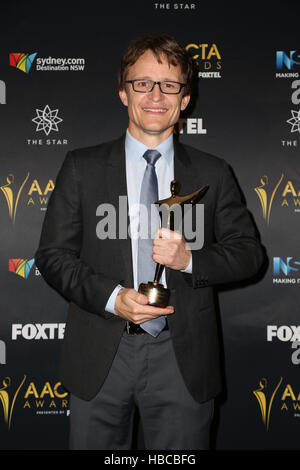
x: 119, y: 352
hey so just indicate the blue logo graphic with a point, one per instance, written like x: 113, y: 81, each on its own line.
x: 288, y: 60
x: 285, y: 267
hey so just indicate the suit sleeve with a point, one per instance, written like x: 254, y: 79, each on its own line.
x: 58, y: 255
x: 237, y: 253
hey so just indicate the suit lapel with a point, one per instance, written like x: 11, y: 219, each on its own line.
x: 117, y: 186
x: 182, y: 173
x: 182, y: 168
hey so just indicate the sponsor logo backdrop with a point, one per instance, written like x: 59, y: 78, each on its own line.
x: 58, y: 91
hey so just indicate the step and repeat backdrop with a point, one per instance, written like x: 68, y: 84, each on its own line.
x: 58, y: 91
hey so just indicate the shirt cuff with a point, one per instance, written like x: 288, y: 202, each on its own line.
x: 189, y: 268
x: 110, y: 305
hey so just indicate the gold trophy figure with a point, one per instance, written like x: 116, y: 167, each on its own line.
x: 157, y: 294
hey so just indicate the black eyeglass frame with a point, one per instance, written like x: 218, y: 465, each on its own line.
x: 156, y: 83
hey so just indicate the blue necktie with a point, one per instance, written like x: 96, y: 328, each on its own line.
x: 146, y: 265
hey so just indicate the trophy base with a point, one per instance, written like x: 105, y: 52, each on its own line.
x: 157, y: 294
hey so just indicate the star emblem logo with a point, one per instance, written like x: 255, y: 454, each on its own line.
x: 295, y: 121
x: 47, y: 120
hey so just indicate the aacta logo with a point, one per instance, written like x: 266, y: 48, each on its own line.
x: 268, y: 398
x: 204, y: 52
x: 37, y: 196
x: 265, y: 403
x: 45, y: 398
x: 266, y: 196
x: 208, y: 59
x: 22, y: 61
x: 289, y: 197
x: 12, y: 195
x: 8, y: 399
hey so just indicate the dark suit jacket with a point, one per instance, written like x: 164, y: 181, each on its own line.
x: 85, y: 270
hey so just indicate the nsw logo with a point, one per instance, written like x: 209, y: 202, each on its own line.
x: 286, y: 271
x: 280, y: 266
x: 20, y: 266
x: 22, y: 61
x: 287, y: 60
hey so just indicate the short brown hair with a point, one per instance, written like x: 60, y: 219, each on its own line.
x: 161, y: 45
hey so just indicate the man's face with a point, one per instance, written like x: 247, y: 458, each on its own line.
x: 154, y: 113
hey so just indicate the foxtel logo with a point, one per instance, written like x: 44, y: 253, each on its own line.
x: 38, y: 331
x: 283, y: 333
x: 190, y: 126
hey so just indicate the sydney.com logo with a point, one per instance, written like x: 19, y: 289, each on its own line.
x: 24, y: 62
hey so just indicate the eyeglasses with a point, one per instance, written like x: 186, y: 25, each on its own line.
x: 146, y: 86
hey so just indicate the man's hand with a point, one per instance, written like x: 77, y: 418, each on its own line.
x: 132, y: 305
x: 171, y: 249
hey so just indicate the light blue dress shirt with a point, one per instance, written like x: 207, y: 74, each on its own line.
x: 135, y: 168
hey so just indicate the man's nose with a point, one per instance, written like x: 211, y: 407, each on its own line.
x: 156, y: 94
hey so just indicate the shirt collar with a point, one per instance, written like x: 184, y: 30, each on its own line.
x: 135, y: 149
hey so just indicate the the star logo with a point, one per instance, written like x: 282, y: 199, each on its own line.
x: 295, y: 121
x: 47, y: 120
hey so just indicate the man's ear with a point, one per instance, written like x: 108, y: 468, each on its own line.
x: 123, y: 97
x: 184, y: 102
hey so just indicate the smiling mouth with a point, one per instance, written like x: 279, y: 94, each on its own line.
x: 155, y: 110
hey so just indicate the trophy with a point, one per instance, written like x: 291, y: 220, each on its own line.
x: 157, y: 294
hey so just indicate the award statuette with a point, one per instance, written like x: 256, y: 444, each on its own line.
x: 157, y: 294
